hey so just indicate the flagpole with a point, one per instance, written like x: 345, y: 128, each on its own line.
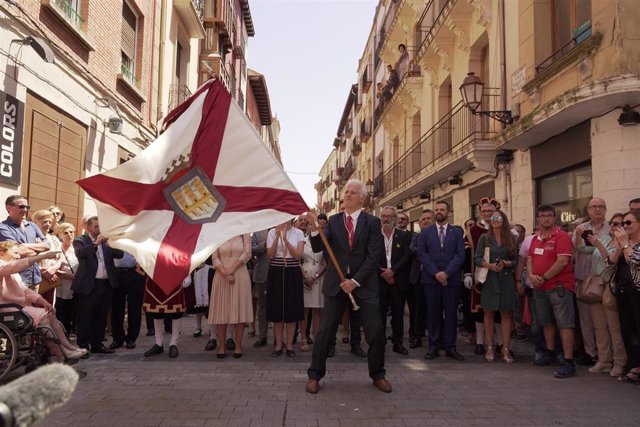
x: 355, y: 306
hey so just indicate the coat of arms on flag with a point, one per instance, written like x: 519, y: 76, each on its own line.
x: 208, y: 177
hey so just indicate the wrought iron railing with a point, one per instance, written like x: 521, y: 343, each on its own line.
x: 70, y: 12
x: 429, y: 21
x: 365, y: 128
x: 349, y: 168
x: 198, y: 5
x: 178, y: 93
x: 366, y: 80
x: 456, y: 130
x: 582, y: 35
x: 129, y: 75
x: 377, y: 185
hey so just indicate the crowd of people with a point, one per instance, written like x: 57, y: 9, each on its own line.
x: 574, y: 293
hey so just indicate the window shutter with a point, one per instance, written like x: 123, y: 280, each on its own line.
x: 129, y: 24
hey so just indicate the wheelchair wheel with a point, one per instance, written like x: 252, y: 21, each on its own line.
x: 8, y: 350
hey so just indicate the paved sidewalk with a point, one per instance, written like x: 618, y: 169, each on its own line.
x: 196, y: 389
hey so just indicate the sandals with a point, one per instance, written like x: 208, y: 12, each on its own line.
x: 304, y: 346
x: 276, y: 353
x: 489, y: 355
x: 290, y: 353
x: 506, y: 356
x: 251, y: 333
x: 632, y: 376
x: 345, y: 340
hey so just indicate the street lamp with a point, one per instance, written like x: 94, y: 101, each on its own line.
x: 471, y: 90
x: 370, y: 186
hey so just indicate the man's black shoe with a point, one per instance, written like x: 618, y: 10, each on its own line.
x: 154, y: 351
x: 211, y: 345
x: 453, y: 353
x: 261, y: 342
x: 230, y: 344
x: 101, y: 349
x: 173, y: 351
x: 358, y: 351
x: 130, y: 344
x: 479, y: 350
x: 399, y: 348
x: 115, y: 344
x: 432, y: 354
x: 585, y: 360
x: 151, y: 332
x: 332, y: 351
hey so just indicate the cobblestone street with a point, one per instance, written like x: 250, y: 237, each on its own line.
x: 198, y: 389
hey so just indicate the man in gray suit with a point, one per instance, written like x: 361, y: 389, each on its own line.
x: 260, y: 274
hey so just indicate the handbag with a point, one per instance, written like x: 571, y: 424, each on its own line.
x: 591, y: 289
x: 46, y: 285
x: 609, y: 300
x: 481, y: 272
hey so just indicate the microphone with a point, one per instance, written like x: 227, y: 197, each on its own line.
x: 31, y: 397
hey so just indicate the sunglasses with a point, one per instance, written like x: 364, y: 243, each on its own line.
x: 56, y: 213
x: 614, y: 224
x: 25, y: 207
x: 628, y: 222
x: 496, y: 218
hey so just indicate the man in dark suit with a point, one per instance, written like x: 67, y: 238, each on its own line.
x: 356, y: 240
x: 93, y: 284
x: 415, y: 293
x: 259, y: 277
x: 441, y: 253
x: 394, y: 275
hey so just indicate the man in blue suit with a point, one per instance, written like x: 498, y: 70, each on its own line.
x: 441, y: 253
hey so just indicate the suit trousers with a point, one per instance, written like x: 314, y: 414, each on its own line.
x: 586, y: 325
x: 608, y: 335
x: 92, y: 313
x: 393, y: 296
x: 442, y: 330
x: 128, y: 294
x: 417, y: 310
x: 369, y: 313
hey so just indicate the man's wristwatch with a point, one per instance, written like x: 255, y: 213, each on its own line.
x: 544, y: 278
x: 625, y: 246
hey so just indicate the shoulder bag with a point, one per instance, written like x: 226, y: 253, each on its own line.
x: 591, y: 289
x: 481, y: 272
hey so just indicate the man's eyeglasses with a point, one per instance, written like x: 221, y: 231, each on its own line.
x: 614, y: 224
x: 487, y: 211
x: 597, y: 207
x: 23, y: 207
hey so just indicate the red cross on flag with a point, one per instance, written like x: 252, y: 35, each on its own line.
x: 207, y: 178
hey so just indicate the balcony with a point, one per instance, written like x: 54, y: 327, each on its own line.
x: 223, y: 19
x: 356, y: 147
x: 366, y: 80
x: 405, y: 83
x: 348, y: 129
x: 191, y: 13
x: 384, y: 30
x: 458, y: 141
x: 349, y: 169
x: 220, y: 71
x: 69, y: 15
x: 178, y: 93
x: 433, y: 17
x: 365, y: 130
x: 377, y: 186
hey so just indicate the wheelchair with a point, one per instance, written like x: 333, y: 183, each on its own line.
x: 21, y: 342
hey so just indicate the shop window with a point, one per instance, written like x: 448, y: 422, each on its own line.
x: 568, y: 191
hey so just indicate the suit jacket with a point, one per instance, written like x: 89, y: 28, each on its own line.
x: 400, y: 258
x: 416, y: 267
x: 259, y: 250
x: 433, y: 258
x: 85, y: 250
x: 361, y: 262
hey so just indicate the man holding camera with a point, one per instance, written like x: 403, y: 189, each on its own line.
x: 597, y: 227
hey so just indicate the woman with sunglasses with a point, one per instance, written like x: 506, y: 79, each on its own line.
x: 612, y: 356
x: 626, y: 285
x: 499, y: 290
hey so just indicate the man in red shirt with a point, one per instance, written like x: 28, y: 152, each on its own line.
x: 551, y: 273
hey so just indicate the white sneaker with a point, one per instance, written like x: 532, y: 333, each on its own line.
x: 74, y: 354
x: 601, y: 368
x: 616, y: 371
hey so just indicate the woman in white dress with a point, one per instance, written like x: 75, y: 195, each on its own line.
x: 313, y: 267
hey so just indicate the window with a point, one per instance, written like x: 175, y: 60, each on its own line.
x: 71, y: 10
x: 572, y: 19
x: 129, y: 43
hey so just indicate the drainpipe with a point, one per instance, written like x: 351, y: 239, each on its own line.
x: 503, y: 64
x: 153, y: 51
x: 163, y: 27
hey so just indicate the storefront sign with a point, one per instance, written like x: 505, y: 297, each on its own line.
x: 518, y: 79
x: 11, y: 143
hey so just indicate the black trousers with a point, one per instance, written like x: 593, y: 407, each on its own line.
x: 393, y: 296
x: 128, y: 295
x: 66, y: 313
x: 417, y: 310
x: 92, y: 313
x: 373, y: 332
x: 355, y: 325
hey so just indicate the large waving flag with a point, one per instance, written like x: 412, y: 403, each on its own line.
x: 207, y: 178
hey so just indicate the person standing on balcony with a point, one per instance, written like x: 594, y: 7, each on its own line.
x: 393, y: 81
x: 441, y: 253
